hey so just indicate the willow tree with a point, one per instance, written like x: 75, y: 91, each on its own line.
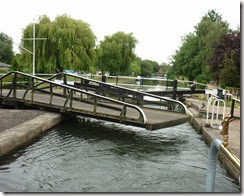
x: 69, y: 44
x: 6, y: 49
x: 116, y: 53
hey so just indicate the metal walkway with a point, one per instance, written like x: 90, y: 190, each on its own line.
x: 91, y: 98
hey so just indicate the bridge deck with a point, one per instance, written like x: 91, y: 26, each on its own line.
x: 156, y: 118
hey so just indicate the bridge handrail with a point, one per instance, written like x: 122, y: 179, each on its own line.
x: 127, y: 89
x: 156, y: 79
x: 81, y: 91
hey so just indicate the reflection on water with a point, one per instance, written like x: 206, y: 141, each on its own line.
x: 95, y: 156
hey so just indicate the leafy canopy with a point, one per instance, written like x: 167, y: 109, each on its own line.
x: 228, y: 47
x: 191, y: 60
x: 6, y: 49
x: 116, y: 53
x: 70, y: 45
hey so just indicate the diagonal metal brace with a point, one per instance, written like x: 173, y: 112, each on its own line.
x: 13, y: 87
x: 68, y: 98
x: 122, y: 115
x: 31, y: 85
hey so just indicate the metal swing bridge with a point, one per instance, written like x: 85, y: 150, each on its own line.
x: 91, y: 98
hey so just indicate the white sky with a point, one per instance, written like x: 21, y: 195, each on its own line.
x: 158, y: 25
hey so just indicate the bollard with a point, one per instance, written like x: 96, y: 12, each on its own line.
x: 232, y: 108
x: 225, y: 131
x: 174, y: 89
x: 104, y: 78
x: 220, y: 93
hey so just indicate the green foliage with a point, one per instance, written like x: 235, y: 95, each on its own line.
x: 191, y: 60
x: 70, y: 45
x: 109, y: 57
x: 135, y: 68
x: 115, y: 53
x: 6, y: 49
x: 185, y: 59
x: 15, y: 65
x: 227, y: 47
x: 146, y: 68
x: 229, y: 76
x: 164, y: 68
x: 155, y: 66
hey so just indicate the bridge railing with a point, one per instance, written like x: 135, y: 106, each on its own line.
x: 146, y: 82
x: 120, y: 93
x: 47, y: 93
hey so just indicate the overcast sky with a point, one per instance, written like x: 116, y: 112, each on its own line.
x: 158, y: 25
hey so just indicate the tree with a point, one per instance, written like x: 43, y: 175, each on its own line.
x: 185, y: 59
x: 229, y: 75
x: 6, y: 49
x: 15, y: 65
x: 209, y: 30
x: 115, y: 53
x: 109, y: 57
x: 164, y: 68
x: 70, y: 45
x: 135, y: 68
x: 191, y: 60
x: 228, y: 47
x: 146, y: 68
x: 155, y: 66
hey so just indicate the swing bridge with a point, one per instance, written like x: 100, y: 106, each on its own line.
x: 91, y: 98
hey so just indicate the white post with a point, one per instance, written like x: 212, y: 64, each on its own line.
x: 213, y: 113
x: 33, y: 70
x: 209, y: 103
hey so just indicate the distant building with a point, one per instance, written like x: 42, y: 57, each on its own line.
x: 4, y: 67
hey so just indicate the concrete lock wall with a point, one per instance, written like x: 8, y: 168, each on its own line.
x: 227, y: 161
x: 15, y: 137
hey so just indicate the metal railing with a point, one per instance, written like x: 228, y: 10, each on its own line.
x: 210, y: 101
x: 159, y: 79
x: 233, y: 106
x: 119, y: 92
x: 19, y: 91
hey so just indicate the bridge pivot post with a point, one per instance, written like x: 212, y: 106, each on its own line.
x: 71, y: 99
x: 65, y: 82
x: 1, y: 86
x: 51, y: 93
x: 14, y: 85
x: 95, y: 105
x: 104, y: 78
x: 32, y: 90
x: 174, y: 89
x: 167, y: 84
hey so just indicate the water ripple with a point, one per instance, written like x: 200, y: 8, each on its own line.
x: 97, y: 156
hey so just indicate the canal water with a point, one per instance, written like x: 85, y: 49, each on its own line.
x: 87, y: 155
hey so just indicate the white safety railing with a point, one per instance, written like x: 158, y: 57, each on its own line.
x: 214, y: 100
